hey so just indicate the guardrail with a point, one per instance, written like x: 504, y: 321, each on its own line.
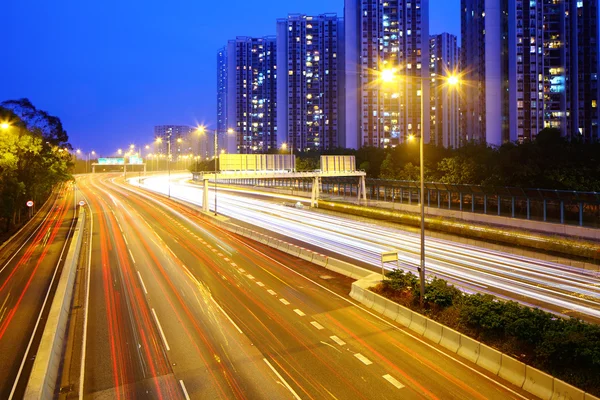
x: 44, y: 375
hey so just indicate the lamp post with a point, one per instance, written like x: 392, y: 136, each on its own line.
x: 389, y: 75
x: 202, y: 130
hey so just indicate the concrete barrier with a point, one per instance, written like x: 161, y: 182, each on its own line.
x: 433, y: 331
x: 369, y: 298
x: 283, y: 246
x: 44, y: 374
x: 450, y: 339
x: 320, y: 259
x: 489, y: 359
x: 294, y: 250
x: 347, y: 269
x: 404, y: 316
x: 588, y: 396
x: 391, y: 310
x: 418, y: 323
x: 564, y: 391
x: 306, y: 254
x: 538, y: 383
x: 469, y: 348
x: 379, y: 303
x: 512, y: 370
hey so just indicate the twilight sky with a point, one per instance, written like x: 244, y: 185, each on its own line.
x: 112, y: 69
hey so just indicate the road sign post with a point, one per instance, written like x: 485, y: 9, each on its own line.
x: 30, y: 205
x: 388, y: 256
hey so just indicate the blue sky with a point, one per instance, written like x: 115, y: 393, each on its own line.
x: 112, y: 69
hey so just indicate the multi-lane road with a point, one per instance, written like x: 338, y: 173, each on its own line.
x: 178, y: 308
x: 555, y: 287
x: 30, y: 265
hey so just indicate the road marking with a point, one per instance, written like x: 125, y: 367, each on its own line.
x: 131, y: 254
x: 142, y: 281
x: 393, y: 381
x: 227, y: 315
x: 337, y: 340
x: 213, y: 250
x: 226, y: 259
x: 317, y: 325
x: 87, y: 301
x: 241, y: 270
x: 234, y: 264
x: 284, y: 301
x: 250, y: 276
x: 282, y: 380
x: 125, y: 239
x: 220, y: 254
x: 300, y: 313
x: 364, y: 359
x: 162, y: 334
x: 260, y: 284
x: 185, y: 392
x: 272, y: 293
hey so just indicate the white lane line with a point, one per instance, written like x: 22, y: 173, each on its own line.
x: 227, y: 315
x: 271, y: 292
x: 282, y: 380
x: 142, y: 281
x: 317, y: 325
x: 226, y: 259
x: 284, y: 301
x: 241, y: 270
x: 125, y: 239
x: 234, y: 264
x: 185, y: 392
x: 250, y: 276
x: 364, y: 359
x: 393, y: 381
x: 131, y: 254
x: 337, y: 340
x: 300, y: 313
x: 260, y: 284
x: 87, y: 300
x: 161, y: 330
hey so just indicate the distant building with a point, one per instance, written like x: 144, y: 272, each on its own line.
x: 386, y: 35
x: 310, y: 87
x: 183, y: 141
x: 529, y: 64
x: 222, y: 125
x: 445, y: 127
x: 251, y: 96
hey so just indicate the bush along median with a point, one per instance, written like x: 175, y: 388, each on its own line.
x: 568, y: 349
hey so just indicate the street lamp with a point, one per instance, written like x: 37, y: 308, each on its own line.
x: 4, y: 125
x: 202, y: 130
x: 389, y: 75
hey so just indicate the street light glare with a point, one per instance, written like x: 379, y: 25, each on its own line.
x: 388, y: 75
x: 230, y: 130
x: 5, y: 125
x: 284, y: 146
x: 411, y: 137
x: 132, y: 146
x: 452, y: 80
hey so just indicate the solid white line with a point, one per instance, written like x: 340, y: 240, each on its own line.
x: 260, y: 284
x: 282, y: 380
x: 300, y: 313
x: 227, y: 315
x: 284, y: 301
x: 37, y: 323
x: 131, y: 254
x: 161, y: 330
x: 185, y: 392
x: 271, y: 292
x: 364, y: 359
x: 337, y: 340
x: 317, y: 325
x: 393, y: 381
x: 87, y: 301
x: 142, y: 281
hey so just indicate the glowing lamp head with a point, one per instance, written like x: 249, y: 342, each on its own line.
x: 411, y: 137
x: 388, y: 75
x: 4, y: 125
x: 230, y: 130
x: 453, y: 80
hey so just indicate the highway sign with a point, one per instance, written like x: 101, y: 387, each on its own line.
x: 30, y: 203
x: 111, y: 161
x: 82, y: 203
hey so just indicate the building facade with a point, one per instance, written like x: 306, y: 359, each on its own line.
x: 444, y: 62
x: 222, y: 125
x: 384, y: 35
x: 529, y: 64
x: 251, y: 97
x: 310, y: 99
x: 180, y: 138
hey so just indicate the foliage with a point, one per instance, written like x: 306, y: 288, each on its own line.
x: 566, y: 348
x: 34, y: 157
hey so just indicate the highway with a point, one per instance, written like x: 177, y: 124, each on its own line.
x: 29, y: 270
x: 554, y: 287
x: 181, y: 309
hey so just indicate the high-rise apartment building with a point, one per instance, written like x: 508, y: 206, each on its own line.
x: 222, y: 91
x: 386, y: 35
x: 310, y: 89
x: 444, y: 62
x: 251, y: 97
x: 529, y: 64
x: 180, y: 137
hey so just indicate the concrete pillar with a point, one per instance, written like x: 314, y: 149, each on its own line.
x: 205, y: 195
